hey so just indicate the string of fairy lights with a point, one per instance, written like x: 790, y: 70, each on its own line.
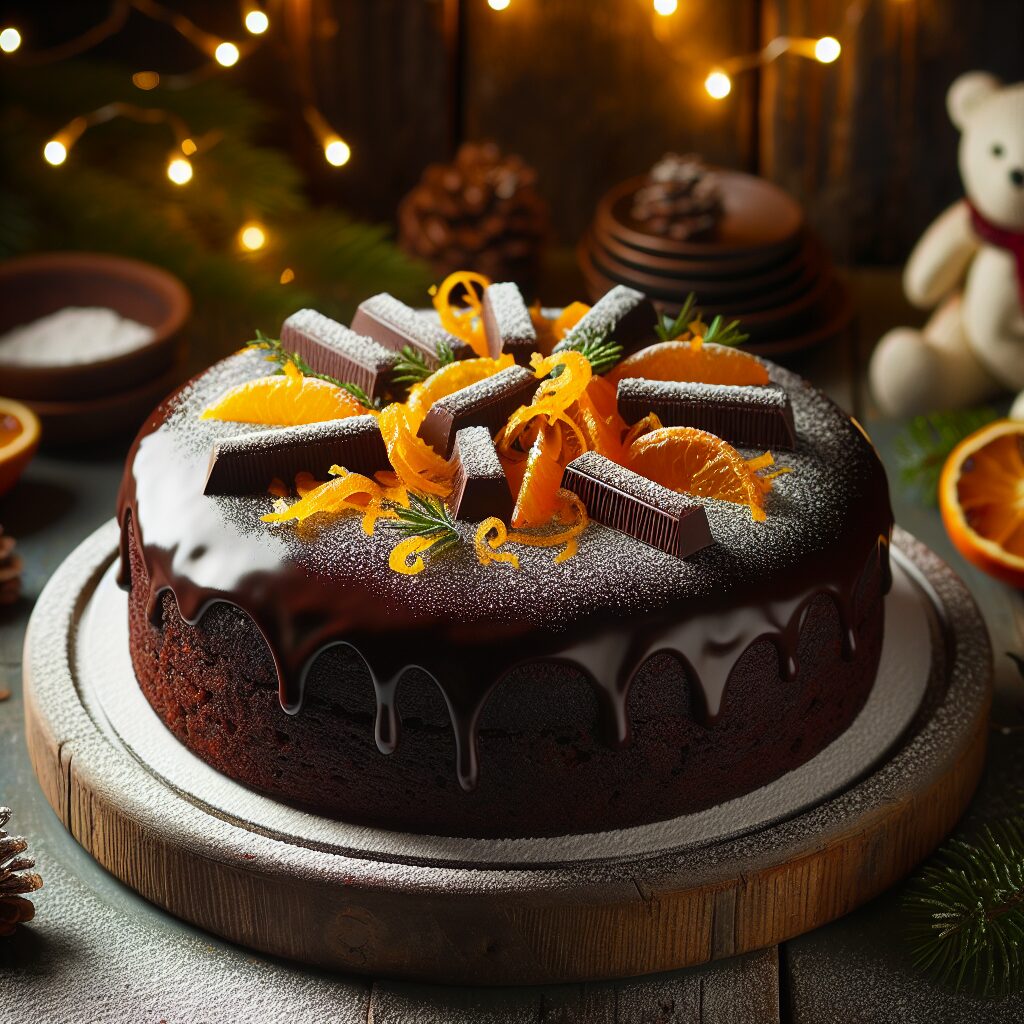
x: 719, y: 80
x: 220, y: 53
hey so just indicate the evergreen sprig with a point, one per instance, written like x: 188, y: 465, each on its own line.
x: 965, y: 911
x: 277, y: 353
x: 412, y: 366
x: 924, y: 446
x: 596, y: 346
x: 427, y: 516
x: 721, y: 333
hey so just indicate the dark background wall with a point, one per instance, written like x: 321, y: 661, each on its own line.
x: 591, y: 91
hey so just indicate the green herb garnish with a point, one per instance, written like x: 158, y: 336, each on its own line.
x: 924, y: 446
x: 277, y: 353
x: 721, y: 333
x: 596, y: 346
x: 412, y: 367
x: 717, y: 332
x: 427, y: 516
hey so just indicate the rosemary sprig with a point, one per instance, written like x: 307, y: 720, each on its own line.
x: 965, y: 911
x: 277, y: 353
x: 718, y: 331
x: 924, y: 446
x: 412, y: 366
x: 668, y: 329
x: 427, y: 516
x: 596, y: 346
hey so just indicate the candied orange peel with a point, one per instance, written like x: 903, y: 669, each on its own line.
x: 407, y: 555
x: 345, y: 491
x: 417, y: 465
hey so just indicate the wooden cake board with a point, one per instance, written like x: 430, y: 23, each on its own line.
x: 367, y: 904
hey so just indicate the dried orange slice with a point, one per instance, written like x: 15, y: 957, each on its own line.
x: 538, y: 499
x: 449, y: 379
x: 981, y: 497
x: 695, y: 462
x: 284, y: 400
x: 692, y: 361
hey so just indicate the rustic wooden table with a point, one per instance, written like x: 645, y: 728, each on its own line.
x: 98, y: 952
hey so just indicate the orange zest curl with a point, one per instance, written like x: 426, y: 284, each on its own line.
x: 417, y: 465
x: 466, y: 321
x: 346, y: 491
x: 406, y: 557
x: 487, y: 547
x: 573, y: 512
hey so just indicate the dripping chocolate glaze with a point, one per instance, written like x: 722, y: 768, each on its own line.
x: 604, y: 612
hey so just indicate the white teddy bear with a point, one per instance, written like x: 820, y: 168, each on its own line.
x: 970, y: 265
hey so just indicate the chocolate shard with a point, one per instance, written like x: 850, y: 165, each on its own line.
x: 487, y: 403
x: 751, y: 416
x: 395, y: 325
x: 621, y: 313
x: 479, y: 487
x: 625, y: 501
x: 247, y: 463
x: 333, y: 349
x: 508, y: 326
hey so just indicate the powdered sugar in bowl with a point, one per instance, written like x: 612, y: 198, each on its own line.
x: 78, y: 326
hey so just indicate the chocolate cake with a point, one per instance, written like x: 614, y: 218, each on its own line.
x: 680, y: 650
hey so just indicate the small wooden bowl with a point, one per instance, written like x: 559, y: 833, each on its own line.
x: 35, y: 286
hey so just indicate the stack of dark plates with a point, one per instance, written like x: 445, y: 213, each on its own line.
x: 761, y: 265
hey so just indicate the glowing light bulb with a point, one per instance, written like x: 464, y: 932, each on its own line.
x: 55, y: 152
x: 146, y: 80
x: 252, y: 236
x: 257, y: 22
x: 718, y: 85
x: 666, y: 7
x: 179, y: 170
x: 188, y: 147
x: 10, y: 39
x: 498, y: 5
x: 226, y: 54
x: 827, y: 49
x: 336, y: 151
x: 287, y: 276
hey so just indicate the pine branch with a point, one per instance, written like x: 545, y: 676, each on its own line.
x: 721, y: 333
x: 924, y: 446
x: 965, y: 911
x: 413, y: 368
x: 427, y: 516
x: 278, y: 354
x: 669, y: 328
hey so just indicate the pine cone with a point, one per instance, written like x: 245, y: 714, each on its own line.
x: 15, y: 879
x: 481, y: 212
x: 10, y: 570
x: 681, y: 200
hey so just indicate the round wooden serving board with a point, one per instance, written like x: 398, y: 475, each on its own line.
x: 497, y: 912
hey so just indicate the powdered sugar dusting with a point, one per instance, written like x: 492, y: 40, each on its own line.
x: 510, y: 313
x: 641, y: 389
x: 488, y: 390
x: 419, y: 328
x: 476, y: 453
x: 362, y: 350
x: 604, y: 315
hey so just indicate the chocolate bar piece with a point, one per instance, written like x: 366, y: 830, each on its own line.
x: 507, y: 323
x: 331, y: 348
x: 395, y: 325
x: 479, y: 486
x: 622, y: 313
x: 487, y: 403
x: 625, y: 501
x: 247, y: 463
x: 756, y: 417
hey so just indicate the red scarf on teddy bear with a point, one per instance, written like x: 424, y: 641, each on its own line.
x: 1004, y: 238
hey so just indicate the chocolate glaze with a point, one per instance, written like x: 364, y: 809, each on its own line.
x: 306, y: 593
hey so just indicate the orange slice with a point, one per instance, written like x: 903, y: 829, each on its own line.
x: 538, y: 499
x: 284, y: 400
x: 449, y: 379
x: 19, y: 439
x: 695, y: 462
x: 692, y: 361
x: 981, y: 497
x: 596, y: 413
